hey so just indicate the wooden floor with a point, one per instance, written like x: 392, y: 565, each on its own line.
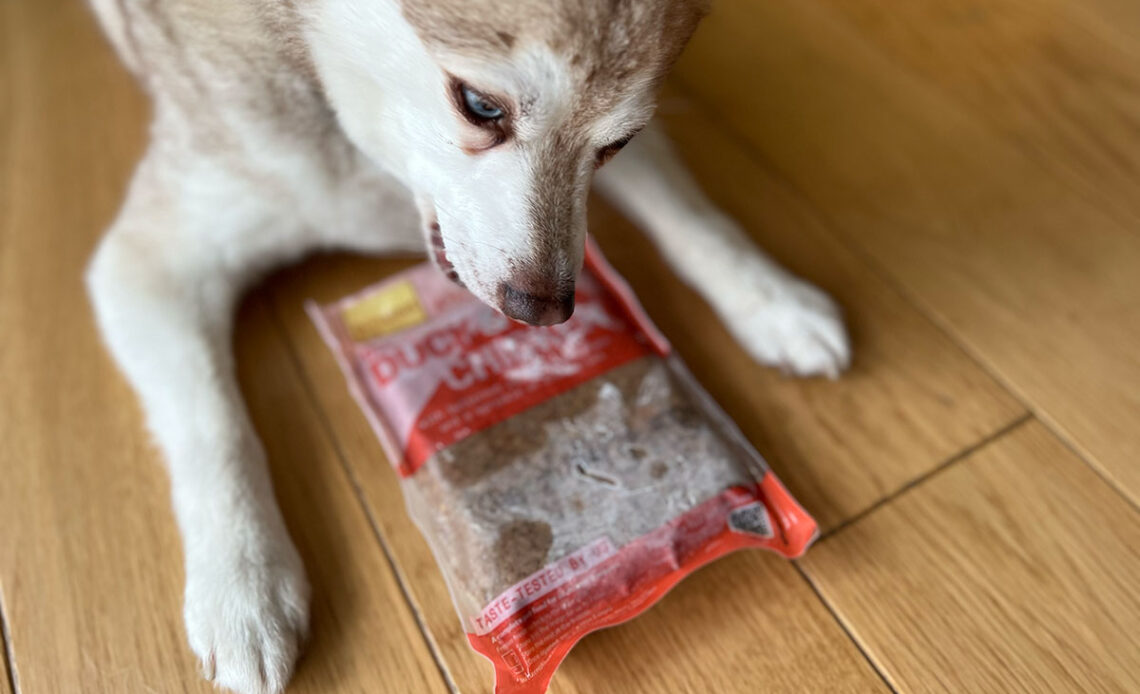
x: 963, y: 175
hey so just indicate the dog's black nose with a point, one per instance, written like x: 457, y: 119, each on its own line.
x: 534, y: 308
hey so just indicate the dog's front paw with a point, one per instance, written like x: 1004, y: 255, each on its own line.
x: 785, y: 322
x: 246, y: 611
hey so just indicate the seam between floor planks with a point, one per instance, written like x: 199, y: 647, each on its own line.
x: 8, y: 663
x: 871, y: 662
x: 866, y: 648
x: 849, y: 623
x: 940, y: 322
x: 886, y: 500
x: 966, y: 452
x: 1086, y: 458
x: 377, y: 534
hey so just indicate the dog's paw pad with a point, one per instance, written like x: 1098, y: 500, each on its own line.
x: 247, y: 622
x: 796, y: 328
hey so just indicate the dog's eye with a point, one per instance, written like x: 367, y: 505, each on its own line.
x: 479, y: 106
x: 606, y: 153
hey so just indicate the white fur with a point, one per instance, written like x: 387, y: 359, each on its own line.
x: 781, y: 320
x: 196, y: 229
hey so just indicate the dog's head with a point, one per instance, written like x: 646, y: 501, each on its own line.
x: 496, y: 113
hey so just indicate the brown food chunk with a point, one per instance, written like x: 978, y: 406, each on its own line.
x: 616, y: 457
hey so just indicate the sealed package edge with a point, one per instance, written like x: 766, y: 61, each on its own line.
x: 565, y: 477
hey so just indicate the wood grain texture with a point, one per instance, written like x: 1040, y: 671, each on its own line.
x: 89, y: 559
x: 5, y: 676
x: 89, y: 554
x: 1059, y: 79
x: 1013, y: 571
x: 681, y: 645
x: 1023, y: 267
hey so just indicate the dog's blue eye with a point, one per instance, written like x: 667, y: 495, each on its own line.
x: 479, y: 106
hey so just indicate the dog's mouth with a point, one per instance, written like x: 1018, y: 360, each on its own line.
x: 439, y: 255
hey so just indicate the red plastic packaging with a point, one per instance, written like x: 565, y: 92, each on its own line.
x: 567, y: 477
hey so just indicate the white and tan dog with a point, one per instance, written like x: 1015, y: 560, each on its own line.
x: 473, y: 128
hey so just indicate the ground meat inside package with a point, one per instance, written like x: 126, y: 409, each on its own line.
x: 565, y: 477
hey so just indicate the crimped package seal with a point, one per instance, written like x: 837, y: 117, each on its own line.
x: 565, y: 477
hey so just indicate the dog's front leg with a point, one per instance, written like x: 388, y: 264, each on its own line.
x: 780, y: 319
x: 164, y: 282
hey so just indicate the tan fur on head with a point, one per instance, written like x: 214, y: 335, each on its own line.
x: 608, y: 41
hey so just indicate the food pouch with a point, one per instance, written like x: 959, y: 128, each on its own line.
x: 565, y: 477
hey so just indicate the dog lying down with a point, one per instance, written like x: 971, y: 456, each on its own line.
x: 469, y: 128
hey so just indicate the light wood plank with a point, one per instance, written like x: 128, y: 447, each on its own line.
x: 1013, y: 571
x: 1061, y: 79
x: 89, y: 553
x: 1027, y: 271
x: 840, y: 446
x: 89, y: 560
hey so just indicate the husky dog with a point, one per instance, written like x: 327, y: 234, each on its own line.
x: 469, y: 128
